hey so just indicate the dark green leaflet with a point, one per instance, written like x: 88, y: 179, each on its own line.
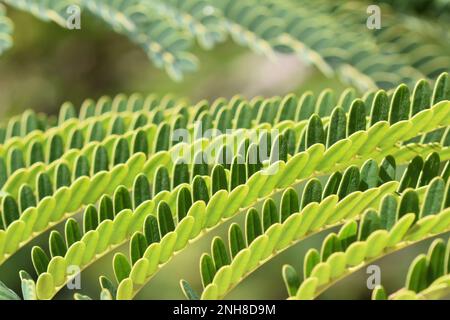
x: 57, y: 244
x: 253, y: 226
x: 357, y: 117
x: 122, y: 199
x: 236, y: 239
x: 400, y: 105
x: 184, y: 202
x: 40, y: 260
x: 138, y: 245
x: 219, y: 253
x: 72, y: 231
x: 141, y: 190
x: 165, y: 219
x: 312, y: 192
x: 90, y: 219
x: 56, y: 148
x: 106, y: 208
x: 161, y: 181
x: 207, y: 269
x: 10, y: 211
x: 27, y: 198
x: 122, y: 267
x: 151, y: 230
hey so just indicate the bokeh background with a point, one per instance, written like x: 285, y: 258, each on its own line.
x: 49, y: 65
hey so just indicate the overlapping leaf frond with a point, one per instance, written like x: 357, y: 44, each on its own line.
x: 398, y: 223
x: 428, y: 276
x: 299, y: 216
x: 333, y: 37
x: 121, y: 162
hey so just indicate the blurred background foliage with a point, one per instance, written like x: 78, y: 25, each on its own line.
x: 49, y: 65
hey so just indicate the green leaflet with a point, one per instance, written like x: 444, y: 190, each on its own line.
x: 388, y: 211
x: 138, y: 245
x: 151, y: 230
x: 121, y: 151
x: 163, y: 138
x: 219, y: 253
x: 106, y: 208
x: 252, y: 226
x: 180, y: 173
x: 270, y: 214
x: 337, y: 129
x: 369, y: 175
x: 56, y: 148
x: 219, y: 179
x: 141, y: 190
x: 236, y: 240
x: 10, y: 210
x: 72, y: 231
x: 36, y: 153
x: 27, y: 198
x: 238, y: 172
x: 57, y: 245
x: 312, y: 258
x: 357, y: 118
x: 430, y: 169
x: 434, y: 198
x: 409, y: 203
x: 90, y: 219
x: 332, y: 185
x: 122, y: 267
x: 388, y: 169
x: 289, y: 204
x: 76, y: 140
x: 15, y: 160
x: 207, y: 269
x: 63, y: 176
x: 200, y: 190
x: 417, y: 276
x: 421, y: 97
x: 291, y: 279
x: 312, y: 192
x: 441, y: 89
x: 165, y: 219
x: 411, y: 176
x: 101, y: 161
x: 400, y: 105
x: 380, y: 107
x: 40, y: 260
x: 162, y: 181
x: 350, y: 182
x: 315, y: 133
x: 97, y: 132
x: 184, y: 202
x: 122, y: 200
x: 82, y: 167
